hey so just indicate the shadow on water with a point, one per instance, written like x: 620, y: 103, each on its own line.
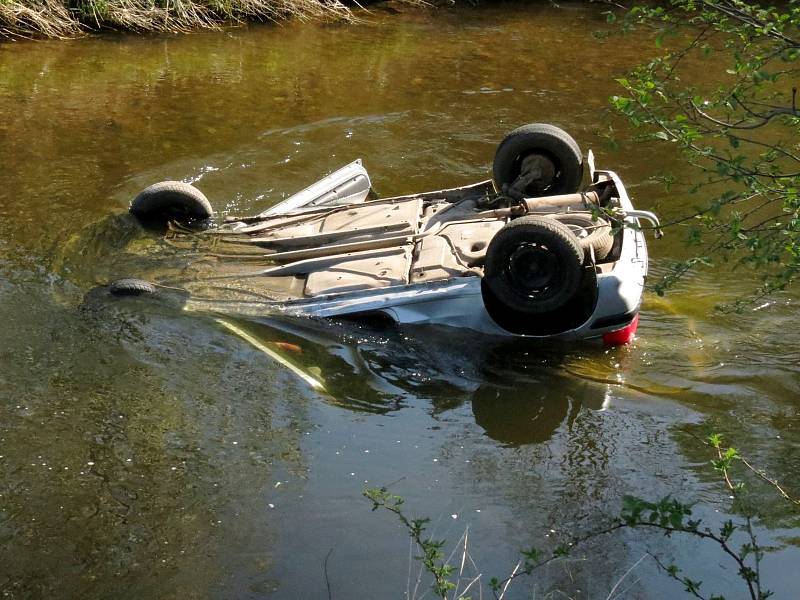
x: 519, y: 393
x: 518, y: 410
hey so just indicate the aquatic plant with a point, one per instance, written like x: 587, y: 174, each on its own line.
x: 723, y: 91
x: 735, y: 541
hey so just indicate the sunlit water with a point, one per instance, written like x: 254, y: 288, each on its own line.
x: 146, y: 452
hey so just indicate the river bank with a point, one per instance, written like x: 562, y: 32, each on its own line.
x: 62, y: 19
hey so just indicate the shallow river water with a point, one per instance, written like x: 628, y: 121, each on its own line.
x: 148, y: 453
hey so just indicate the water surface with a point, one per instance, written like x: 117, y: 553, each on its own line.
x: 147, y: 452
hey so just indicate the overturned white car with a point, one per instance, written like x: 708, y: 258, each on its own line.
x: 528, y: 253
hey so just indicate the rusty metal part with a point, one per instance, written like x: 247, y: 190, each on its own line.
x: 583, y: 201
x: 504, y: 213
x: 539, y: 167
x: 580, y: 201
x: 537, y: 172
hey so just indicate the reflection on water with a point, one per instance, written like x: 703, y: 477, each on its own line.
x: 145, y: 451
x: 373, y: 368
x: 508, y: 418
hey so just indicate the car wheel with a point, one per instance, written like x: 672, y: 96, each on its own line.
x: 592, y: 235
x: 541, y: 159
x: 534, y: 265
x: 170, y: 200
x: 131, y: 287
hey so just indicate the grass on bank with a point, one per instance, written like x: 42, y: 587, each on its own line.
x: 71, y: 18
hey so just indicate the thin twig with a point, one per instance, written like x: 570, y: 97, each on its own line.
x: 759, y: 472
x: 773, y: 482
x: 508, y: 581
x: 327, y: 581
x: 628, y: 572
x: 671, y: 574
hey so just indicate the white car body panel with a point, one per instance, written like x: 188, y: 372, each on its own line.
x: 348, y: 185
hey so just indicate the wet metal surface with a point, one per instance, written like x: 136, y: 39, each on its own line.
x: 150, y: 452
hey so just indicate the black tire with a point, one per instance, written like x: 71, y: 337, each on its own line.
x: 131, y: 287
x: 594, y: 235
x: 533, y: 265
x: 169, y: 200
x: 568, y: 316
x: 549, y: 141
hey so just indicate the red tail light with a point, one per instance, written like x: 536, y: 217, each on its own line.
x: 623, y: 336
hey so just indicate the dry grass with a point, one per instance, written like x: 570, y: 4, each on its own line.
x: 72, y: 18
x: 35, y: 18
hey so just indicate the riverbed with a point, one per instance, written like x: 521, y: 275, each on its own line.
x: 146, y: 452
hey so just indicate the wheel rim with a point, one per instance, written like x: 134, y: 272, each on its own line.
x: 580, y: 231
x: 533, y: 269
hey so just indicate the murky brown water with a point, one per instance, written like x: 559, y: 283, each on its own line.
x: 147, y: 453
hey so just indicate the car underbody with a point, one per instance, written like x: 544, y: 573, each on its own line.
x: 502, y: 259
